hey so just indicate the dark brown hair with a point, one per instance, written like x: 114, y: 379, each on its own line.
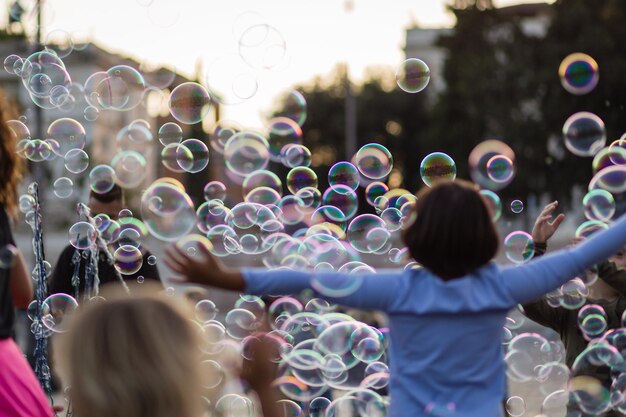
x: 114, y: 194
x: 11, y: 164
x: 452, y: 234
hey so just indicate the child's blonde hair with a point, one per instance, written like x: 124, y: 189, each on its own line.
x: 132, y: 357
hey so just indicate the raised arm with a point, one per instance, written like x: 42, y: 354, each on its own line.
x: 369, y: 291
x: 538, y: 277
x: 539, y: 310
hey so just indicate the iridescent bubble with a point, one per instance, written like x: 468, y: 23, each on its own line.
x: 367, y: 344
x: 611, y: 179
x: 342, y: 197
x: 10, y: 61
x: 374, y: 161
x: 199, y: 155
x: 41, y: 72
x: 172, y: 153
x: 301, y: 177
x: 189, y: 103
x: 130, y: 169
x: 240, y: 323
x: 262, y: 178
x: 91, y: 113
x: 295, y: 155
x: 246, y: 152
x: 82, y: 235
x: 515, y: 406
x: 500, y: 169
x: 413, y: 75
x: 152, y: 260
x: 481, y: 155
x: 223, y: 240
x: 281, y: 132
x: 215, y: 190
x: 127, y: 259
x: 26, y: 203
x: 519, y: 247
x: 493, y: 203
x: 76, y: 161
x: 263, y: 195
x: 343, y: 173
x: 293, y: 106
x: 56, y: 311
x: 592, y: 320
x: 374, y: 190
x: 167, y: 211
x: 121, y: 89
x: 170, y: 133
x: 68, y: 133
x: 589, y: 227
x: 367, y: 233
x: 615, y: 154
x: 599, y: 205
x: 205, y: 311
x: 584, y: 134
x: 63, y: 187
x: 37, y: 150
x: 317, y: 407
x: 101, y: 179
x: 222, y: 132
x: 579, y: 73
x: 517, y: 206
x: 437, y: 166
x: 19, y: 129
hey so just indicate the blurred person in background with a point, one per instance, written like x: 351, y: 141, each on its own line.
x: 110, y: 203
x: 20, y: 392
x: 607, y: 292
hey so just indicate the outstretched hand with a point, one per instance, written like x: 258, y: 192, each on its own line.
x: 545, y: 226
x: 202, y: 268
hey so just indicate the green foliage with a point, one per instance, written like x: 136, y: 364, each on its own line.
x: 501, y: 83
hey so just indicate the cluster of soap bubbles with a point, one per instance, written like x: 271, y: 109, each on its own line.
x: 290, y: 223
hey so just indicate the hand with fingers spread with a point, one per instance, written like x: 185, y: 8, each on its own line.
x: 545, y: 226
x: 202, y: 268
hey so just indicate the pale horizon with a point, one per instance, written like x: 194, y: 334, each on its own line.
x: 186, y: 34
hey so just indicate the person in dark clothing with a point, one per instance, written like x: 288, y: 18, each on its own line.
x: 110, y: 203
x: 608, y: 292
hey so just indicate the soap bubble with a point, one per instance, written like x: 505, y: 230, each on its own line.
x: 374, y: 161
x: 437, y: 166
x: 170, y: 133
x: 584, y: 134
x: 295, y: 155
x: 599, y: 205
x: 82, y: 235
x: 301, y: 177
x: 68, y: 133
x: 167, y: 211
x: 413, y: 75
x: 479, y: 160
x: 493, y: 202
x: 517, y: 206
x: 199, y: 155
x: 76, y: 161
x: 189, y: 103
x: 343, y: 173
x: 519, y: 247
x: 215, y: 190
x: 101, y: 179
x: 63, y: 187
x: 246, y: 152
x: 130, y: 169
x: 500, y: 169
x: 121, y: 88
x: 579, y: 73
x: 292, y: 105
x: 56, y: 310
x: 282, y: 132
x: 127, y: 260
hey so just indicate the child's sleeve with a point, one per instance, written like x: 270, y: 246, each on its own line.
x: 376, y: 291
x: 538, y: 277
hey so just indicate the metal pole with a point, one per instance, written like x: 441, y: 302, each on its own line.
x: 350, y: 126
